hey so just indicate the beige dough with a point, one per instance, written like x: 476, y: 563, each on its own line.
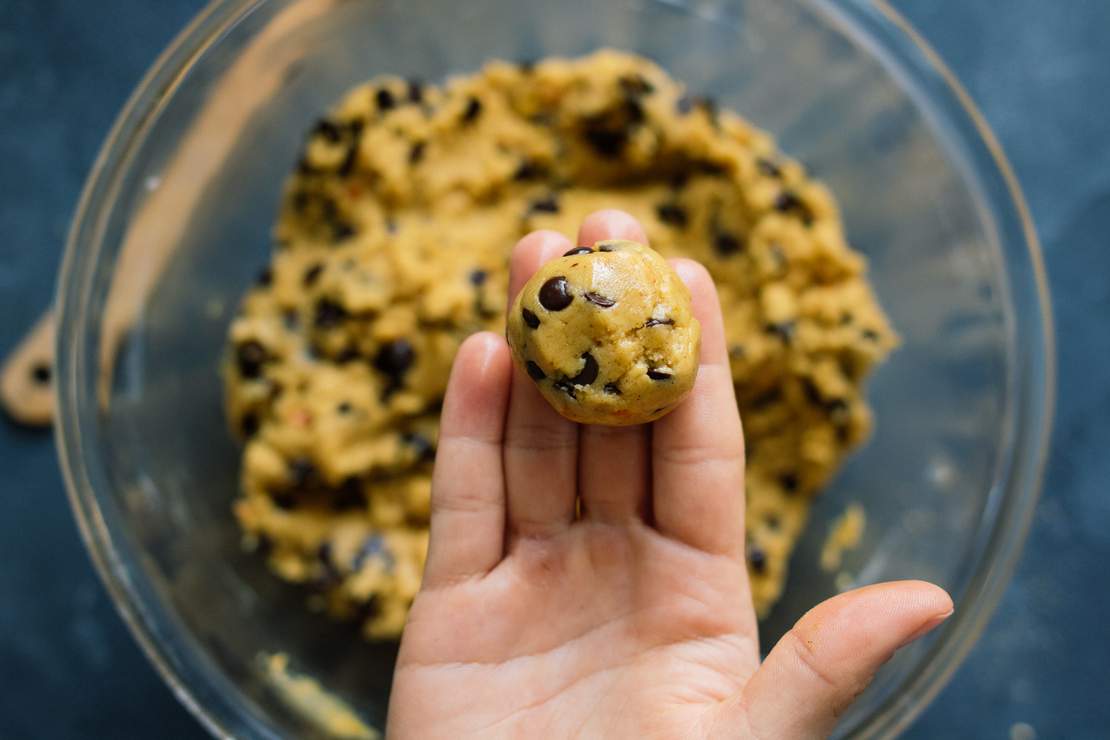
x: 392, y: 247
x: 606, y: 334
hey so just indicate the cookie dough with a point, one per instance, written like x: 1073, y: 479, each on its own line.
x: 606, y: 334
x: 391, y: 247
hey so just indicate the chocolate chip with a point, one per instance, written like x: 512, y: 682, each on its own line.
x: 784, y: 330
x: 249, y: 357
x: 478, y: 277
x: 788, y: 201
x: 41, y: 373
x: 304, y: 167
x: 531, y: 319
x: 789, y: 482
x: 420, y: 445
x: 846, y: 318
x: 369, y: 609
x: 659, y: 374
x: 284, y: 501
x: 599, y: 300
x: 726, y: 244
x: 312, y: 274
x: 606, y: 142
x: 548, y: 204
x: 606, y: 248
x: 565, y: 386
x: 736, y: 351
x: 612, y: 389
x: 812, y: 392
x: 673, y: 214
x: 384, y: 99
x: 847, y: 366
x: 348, y: 354
x: 249, y: 424
x: 529, y: 170
x: 555, y: 294
x: 634, y: 111
x: 757, y: 558
x: 534, y: 371
x: 870, y: 335
x: 290, y: 318
x: 589, y: 371
x: 838, y: 410
x: 416, y: 153
x: 473, y: 110
x: 344, y: 408
x: 658, y: 322
x: 772, y: 521
x: 635, y: 84
x: 265, y: 277
x: 395, y: 358
x: 342, y: 230
x: 416, y: 91
x: 327, y: 130
x: 711, y: 168
x: 302, y: 473
x: 767, y: 167
x: 349, y: 495
x: 328, y: 314
x: 577, y: 251
x: 324, y: 555
x: 763, y: 400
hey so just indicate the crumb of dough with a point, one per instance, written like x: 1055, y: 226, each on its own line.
x: 312, y: 701
x: 844, y: 535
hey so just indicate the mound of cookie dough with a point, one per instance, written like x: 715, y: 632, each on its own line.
x: 391, y: 247
x: 607, y: 335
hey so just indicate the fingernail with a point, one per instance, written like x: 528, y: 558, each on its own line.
x: 487, y: 342
x: 927, y: 627
x: 687, y: 269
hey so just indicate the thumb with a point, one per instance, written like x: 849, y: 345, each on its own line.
x: 830, y: 656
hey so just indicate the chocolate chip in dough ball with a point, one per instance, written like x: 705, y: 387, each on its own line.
x: 626, y: 353
x: 555, y: 294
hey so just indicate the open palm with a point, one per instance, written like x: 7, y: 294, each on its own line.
x: 590, y: 582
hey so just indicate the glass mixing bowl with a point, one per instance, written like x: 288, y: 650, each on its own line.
x: 175, y: 222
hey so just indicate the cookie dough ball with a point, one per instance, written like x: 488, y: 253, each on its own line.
x: 607, y: 334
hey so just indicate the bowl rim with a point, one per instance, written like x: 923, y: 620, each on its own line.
x: 874, y: 18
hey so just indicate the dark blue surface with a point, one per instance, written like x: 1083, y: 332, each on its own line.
x: 1041, y: 73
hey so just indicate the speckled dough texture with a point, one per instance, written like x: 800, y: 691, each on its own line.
x: 392, y: 245
x: 606, y: 334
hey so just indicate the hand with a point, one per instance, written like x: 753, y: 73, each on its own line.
x: 634, y: 617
